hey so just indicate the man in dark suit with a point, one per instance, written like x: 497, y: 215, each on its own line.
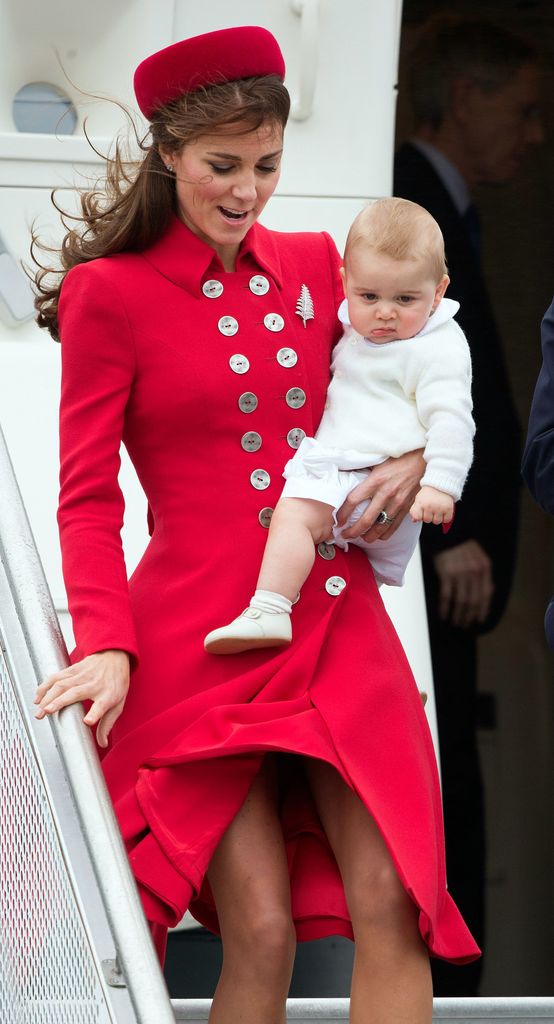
x: 538, y: 457
x: 474, y: 89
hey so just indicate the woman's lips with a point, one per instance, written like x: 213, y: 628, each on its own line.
x: 233, y: 216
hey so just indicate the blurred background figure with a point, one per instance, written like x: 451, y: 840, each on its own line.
x: 475, y: 89
x: 538, y: 456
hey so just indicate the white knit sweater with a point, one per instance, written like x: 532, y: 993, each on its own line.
x: 390, y: 398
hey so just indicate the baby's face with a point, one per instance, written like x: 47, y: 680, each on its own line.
x: 388, y: 299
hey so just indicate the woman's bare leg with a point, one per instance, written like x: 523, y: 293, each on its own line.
x: 297, y: 524
x: 249, y: 879
x: 391, y: 981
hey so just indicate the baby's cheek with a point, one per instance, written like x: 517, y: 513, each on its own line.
x: 359, y: 317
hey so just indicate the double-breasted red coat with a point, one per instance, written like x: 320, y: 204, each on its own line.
x: 210, y: 378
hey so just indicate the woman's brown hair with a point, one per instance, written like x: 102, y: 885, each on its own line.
x: 132, y: 209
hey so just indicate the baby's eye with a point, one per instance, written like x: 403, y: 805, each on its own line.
x: 405, y: 299
x: 369, y: 296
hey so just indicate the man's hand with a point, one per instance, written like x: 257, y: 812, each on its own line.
x: 466, y: 586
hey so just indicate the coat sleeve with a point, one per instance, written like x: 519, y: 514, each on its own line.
x: 98, y: 365
x: 538, y: 456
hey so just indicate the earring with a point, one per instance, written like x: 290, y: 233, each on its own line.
x: 169, y: 167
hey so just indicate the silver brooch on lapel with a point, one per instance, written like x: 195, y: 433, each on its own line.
x: 305, y: 305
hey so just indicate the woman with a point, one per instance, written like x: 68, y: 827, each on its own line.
x: 183, y: 334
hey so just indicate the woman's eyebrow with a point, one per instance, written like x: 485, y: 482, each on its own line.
x: 235, y: 156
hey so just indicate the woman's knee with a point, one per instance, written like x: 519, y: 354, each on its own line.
x: 377, y: 900
x: 265, y: 940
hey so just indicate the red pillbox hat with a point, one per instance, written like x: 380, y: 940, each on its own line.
x: 221, y: 56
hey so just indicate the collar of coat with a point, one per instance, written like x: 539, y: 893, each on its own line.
x: 185, y: 259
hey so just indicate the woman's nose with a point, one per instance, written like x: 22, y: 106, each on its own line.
x: 245, y: 188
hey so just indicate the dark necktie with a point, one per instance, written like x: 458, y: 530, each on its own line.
x: 472, y: 222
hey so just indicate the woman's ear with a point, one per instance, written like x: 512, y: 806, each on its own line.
x: 166, y: 158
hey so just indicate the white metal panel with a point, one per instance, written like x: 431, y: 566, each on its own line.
x: 95, y: 45
x: 346, y: 146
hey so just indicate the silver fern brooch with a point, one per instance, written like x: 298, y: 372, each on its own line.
x: 305, y: 305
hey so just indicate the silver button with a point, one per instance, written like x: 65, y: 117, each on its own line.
x: 295, y: 437
x: 228, y: 326
x: 212, y: 289
x: 264, y: 517
x: 251, y: 441
x: 260, y: 479
x: 327, y: 551
x: 239, y: 363
x: 274, y: 322
x: 334, y: 585
x: 248, y: 402
x: 259, y: 284
x: 295, y: 398
x: 287, y: 357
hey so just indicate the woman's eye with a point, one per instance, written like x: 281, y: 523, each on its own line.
x: 221, y: 168
x: 266, y: 169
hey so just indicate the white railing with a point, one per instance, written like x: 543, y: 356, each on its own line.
x: 74, y: 943
x: 539, y: 1010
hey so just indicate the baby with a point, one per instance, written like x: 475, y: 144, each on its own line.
x: 401, y: 380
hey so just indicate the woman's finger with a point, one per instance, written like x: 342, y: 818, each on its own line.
x: 55, y: 678
x: 367, y: 525
x: 56, y: 701
x: 106, y: 723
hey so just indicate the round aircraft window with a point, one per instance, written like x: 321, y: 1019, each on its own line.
x: 43, y: 108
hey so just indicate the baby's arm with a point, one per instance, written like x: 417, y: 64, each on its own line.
x: 443, y: 399
x: 432, y: 506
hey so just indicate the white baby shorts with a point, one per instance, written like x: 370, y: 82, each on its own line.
x: 328, y: 475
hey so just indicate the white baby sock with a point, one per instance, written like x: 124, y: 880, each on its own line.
x: 267, y: 601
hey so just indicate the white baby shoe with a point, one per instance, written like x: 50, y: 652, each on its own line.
x: 250, y: 630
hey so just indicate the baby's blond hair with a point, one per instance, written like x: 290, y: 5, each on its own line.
x: 402, y: 230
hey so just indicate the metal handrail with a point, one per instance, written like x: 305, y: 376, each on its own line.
x: 485, y: 1010
x: 136, y: 964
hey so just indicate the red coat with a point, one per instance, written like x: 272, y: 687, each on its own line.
x: 144, y: 360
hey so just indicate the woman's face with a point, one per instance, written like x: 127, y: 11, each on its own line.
x: 223, y: 182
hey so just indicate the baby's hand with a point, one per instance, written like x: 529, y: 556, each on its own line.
x: 432, y: 506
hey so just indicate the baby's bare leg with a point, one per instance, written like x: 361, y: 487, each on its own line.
x: 296, y: 526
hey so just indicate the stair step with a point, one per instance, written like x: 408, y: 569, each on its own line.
x: 520, y: 1010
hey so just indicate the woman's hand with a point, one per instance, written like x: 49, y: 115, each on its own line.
x: 466, y: 584
x: 102, y: 678
x: 390, y: 487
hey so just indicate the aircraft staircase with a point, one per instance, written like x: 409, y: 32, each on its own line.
x: 74, y: 943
